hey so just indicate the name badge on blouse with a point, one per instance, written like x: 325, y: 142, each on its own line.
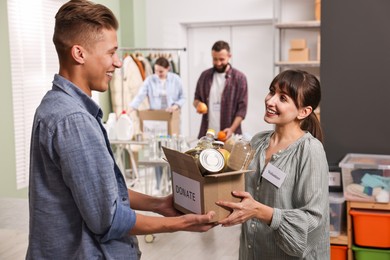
x: 274, y: 175
x: 216, y: 106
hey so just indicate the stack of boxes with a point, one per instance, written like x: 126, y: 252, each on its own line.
x: 298, y: 51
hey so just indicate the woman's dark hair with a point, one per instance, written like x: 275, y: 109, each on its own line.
x: 163, y: 62
x: 304, y: 88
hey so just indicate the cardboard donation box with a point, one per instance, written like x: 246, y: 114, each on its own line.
x: 195, y: 193
x: 159, y: 122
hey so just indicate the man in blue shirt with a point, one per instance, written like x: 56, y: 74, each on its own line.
x: 80, y: 207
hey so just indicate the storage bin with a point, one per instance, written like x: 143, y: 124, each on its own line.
x: 361, y: 253
x: 371, y: 228
x: 366, y: 177
x: 337, y: 214
x: 338, y: 252
x: 335, y: 180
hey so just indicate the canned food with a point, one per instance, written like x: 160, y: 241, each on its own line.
x: 211, y: 161
x: 194, y: 153
x: 218, y: 144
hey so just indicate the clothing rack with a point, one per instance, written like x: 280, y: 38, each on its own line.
x: 134, y: 49
x: 177, y: 50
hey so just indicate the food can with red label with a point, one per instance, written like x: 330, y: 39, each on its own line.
x: 211, y: 161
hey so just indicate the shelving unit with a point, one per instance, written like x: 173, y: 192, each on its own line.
x: 286, y: 29
x: 346, y: 239
x: 292, y: 64
x: 301, y: 25
x: 340, y: 240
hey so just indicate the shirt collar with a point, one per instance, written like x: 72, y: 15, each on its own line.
x: 82, y: 99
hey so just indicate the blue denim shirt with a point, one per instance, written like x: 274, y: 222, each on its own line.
x: 79, y: 205
x: 151, y: 88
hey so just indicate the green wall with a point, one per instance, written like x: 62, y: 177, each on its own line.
x: 7, y: 147
x: 131, y: 33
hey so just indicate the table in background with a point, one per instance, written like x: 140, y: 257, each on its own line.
x: 150, y: 170
x: 119, y: 149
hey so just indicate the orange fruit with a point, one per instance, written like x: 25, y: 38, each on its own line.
x: 221, y: 136
x: 201, y: 108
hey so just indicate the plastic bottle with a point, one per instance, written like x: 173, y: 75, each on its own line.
x: 110, y: 126
x: 182, y: 144
x: 124, y: 127
x: 153, y: 147
x: 240, y: 154
x: 206, y: 141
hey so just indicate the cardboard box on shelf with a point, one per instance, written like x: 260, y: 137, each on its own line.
x: 298, y: 44
x: 298, y: 55
x: 317, y: 10
x: 195, y: 193
x: 319, y: 47
x: 159, y: 122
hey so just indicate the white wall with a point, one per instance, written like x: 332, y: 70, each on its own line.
x: 164, y: 17
x: 167, y: 21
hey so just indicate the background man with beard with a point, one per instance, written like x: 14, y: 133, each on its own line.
x: 225, y: 92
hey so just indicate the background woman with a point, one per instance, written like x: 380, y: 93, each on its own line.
x: 164, y: 90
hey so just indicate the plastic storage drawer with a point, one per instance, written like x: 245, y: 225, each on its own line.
x: 338, y: 252
x: 361, y: 253
x: 337, y: 213
x: 371, y: 228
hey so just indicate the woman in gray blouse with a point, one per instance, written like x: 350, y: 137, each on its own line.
x: 285, y: 209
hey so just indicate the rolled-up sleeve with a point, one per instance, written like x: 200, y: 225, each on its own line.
x: 88, y: 170
x: 124, y: 219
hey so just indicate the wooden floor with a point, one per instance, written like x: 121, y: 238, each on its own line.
x: 218, y: 243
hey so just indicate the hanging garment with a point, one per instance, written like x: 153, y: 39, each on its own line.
x: 147, y: 65
x: 130, y: 81
x: 139, y: 65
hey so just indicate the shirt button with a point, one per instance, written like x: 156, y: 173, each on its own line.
x: 249, y: 246
x: 124, y: 199
x: 253, y: 225
x: 258, y: 188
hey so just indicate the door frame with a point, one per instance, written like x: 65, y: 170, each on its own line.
x: 186, y: 110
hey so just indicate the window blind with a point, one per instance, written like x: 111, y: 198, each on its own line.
x: 33, y: 63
